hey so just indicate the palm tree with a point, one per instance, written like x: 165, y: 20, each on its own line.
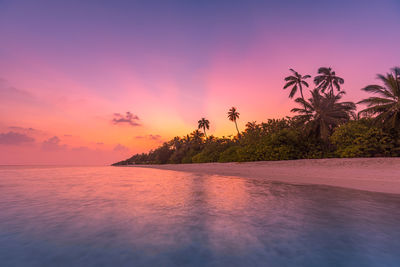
x: 386, y: 106
x: 322, y: 113
x: 204, y: 124
x: 296, y: 81
x: 176, y: 143
x: 252, y: 125
x: 196, y: 139
x: 327, y: 80
x: 233, y: 115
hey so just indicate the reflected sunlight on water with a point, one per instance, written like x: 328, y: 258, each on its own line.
x: 108, y: 216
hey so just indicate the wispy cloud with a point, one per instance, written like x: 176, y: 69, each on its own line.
x: 53, y: 143
x: 129, y: 118
x: 11, y: 93
x: 155, y: 137
x: 27, y: 130
x: 17, y: 128
x: 13, y: 138
x: 121, y: 148
x: 81, y: 149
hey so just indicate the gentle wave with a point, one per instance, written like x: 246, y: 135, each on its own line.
x: 108, y: 216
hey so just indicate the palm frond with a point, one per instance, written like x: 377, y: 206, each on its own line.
x: 290, y: 78
x: 289, y: 84
x: 293, y: 92
x: 377, y: 109
x: 305, y: 83
x: 336, y: 84
x: 376, y: 101
x: 324, y: 70
x: 377, y: 89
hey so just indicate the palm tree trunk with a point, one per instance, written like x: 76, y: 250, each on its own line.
x: 301, y: 92
x: 205, y: 134
x: 237, y: 128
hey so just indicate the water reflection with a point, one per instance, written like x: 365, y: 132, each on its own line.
x: 147, y: 217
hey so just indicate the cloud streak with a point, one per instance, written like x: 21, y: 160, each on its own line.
x: 53, y: 144
x: 11, y: 93
x: 13, y: 138
x: 155, y: 137
x: 128, y: 118
x: 121, y: 148
x: 17, y: 128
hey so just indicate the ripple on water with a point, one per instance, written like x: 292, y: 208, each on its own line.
x: 107, y: 216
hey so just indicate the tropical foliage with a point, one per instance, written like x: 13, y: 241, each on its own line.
x: 296, y: 81
x: 322, y: 112
x: 327, y: 80
x: 386, y: 105
x: 233, y: 115
x: 323, y: 126
x: 203, y: 124
x: 362, y: 139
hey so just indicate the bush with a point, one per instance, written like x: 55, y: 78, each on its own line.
x: 229, y: 155
x: 362, y: 139
x: 283, y: 139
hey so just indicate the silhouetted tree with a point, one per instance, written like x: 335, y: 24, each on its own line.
x: 327, y: 121
x: 296, y: 81
x: 327, y: 80
x: 204, y: 124
x: 386, y: 106
x: 324, y: 112
x: 233, y: 115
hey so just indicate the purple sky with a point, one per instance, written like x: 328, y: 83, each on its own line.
x: 73, y: 69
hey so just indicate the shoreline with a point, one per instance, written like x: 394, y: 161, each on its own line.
x: 368, y: 174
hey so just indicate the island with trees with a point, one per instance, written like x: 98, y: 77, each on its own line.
x: 323, y: 126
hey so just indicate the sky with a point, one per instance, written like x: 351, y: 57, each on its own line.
x: 93, y: 82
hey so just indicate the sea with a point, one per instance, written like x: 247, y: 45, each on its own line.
x: 132, y: 216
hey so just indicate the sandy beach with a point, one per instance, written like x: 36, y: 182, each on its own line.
x: 370, y: 174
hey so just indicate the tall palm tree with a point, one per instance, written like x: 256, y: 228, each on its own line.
x: 322, y: 112
x: 386, y: 106
x: 204, y: 124
x: 196, y: 138
x: 296, y: 81
x: 233, y: 115
x: 327, y: 80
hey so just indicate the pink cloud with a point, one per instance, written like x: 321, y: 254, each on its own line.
x: 129, y: 119
x: 53, y: 144
x: 17, y: 128
x: 13, y: 138
x: 156, y: 137
x: 121, y: 148
x: 12, y: 94
x: 27, y: 131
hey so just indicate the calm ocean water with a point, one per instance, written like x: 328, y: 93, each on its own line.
x: 110, y: 216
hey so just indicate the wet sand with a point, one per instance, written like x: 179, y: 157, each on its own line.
x: 370, y: 174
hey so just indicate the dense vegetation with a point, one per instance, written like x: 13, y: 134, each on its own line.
x: 323, y: 126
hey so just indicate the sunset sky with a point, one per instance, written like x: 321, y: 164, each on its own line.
x: 92, y: 82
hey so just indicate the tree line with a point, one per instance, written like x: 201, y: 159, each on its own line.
x: 323, y: 126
